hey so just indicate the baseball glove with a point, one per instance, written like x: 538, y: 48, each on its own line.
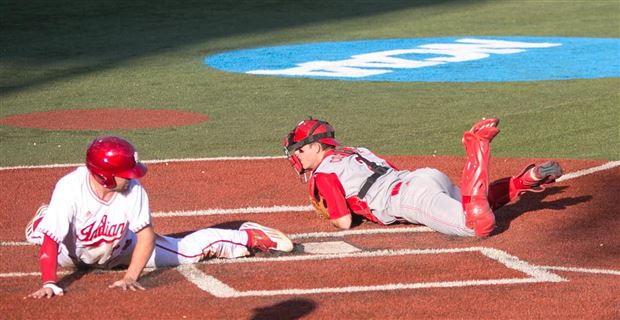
x: 320, y: 208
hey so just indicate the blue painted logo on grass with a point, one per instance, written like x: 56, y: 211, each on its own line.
x: 453, y: 59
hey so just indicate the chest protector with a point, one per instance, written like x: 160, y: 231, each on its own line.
x: 355, y: 203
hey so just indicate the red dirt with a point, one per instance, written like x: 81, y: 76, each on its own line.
x: 574, y: 223
x: 103, y: 119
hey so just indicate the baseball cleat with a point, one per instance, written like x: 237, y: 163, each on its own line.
x: 548, y: 172
x: 537, y: 176
x: 31, y: 235
x: 265, y: 238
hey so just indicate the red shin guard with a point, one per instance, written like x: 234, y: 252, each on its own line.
x: 475, y: 178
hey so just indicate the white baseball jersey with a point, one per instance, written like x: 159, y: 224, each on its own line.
x: 92, y: 229
x: 102, y: 234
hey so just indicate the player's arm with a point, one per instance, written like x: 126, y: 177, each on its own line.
x: 48, y: 264
x: 332, y: 191
x: 142, y: 252
x: 343, y: 222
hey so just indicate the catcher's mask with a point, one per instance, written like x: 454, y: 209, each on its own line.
x: 306, y: 132
x: 108, y: 157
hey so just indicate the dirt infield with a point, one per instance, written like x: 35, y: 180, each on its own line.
x: 556, y: 254
x: 103, y: 119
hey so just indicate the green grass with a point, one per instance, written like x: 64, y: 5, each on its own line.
x: 148, y: 54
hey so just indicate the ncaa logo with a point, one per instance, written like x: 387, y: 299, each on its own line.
x: 462, y: 59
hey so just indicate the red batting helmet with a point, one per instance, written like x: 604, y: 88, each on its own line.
x: 108, y: 157
x: 306, y: 132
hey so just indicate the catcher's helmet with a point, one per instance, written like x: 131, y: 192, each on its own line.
x: 306, y: 132
x: 108, y: 157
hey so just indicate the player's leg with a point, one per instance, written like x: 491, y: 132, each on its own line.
x: 198, y: 245
x: 430, y: 198
x: 265, y: 238
x: 217, y: 243
x: 533, y: 178
x: 475, y: 178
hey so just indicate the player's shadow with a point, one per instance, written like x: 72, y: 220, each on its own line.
x: 156, y: 277
x: 77, y: 274
x: 532, y: 202
x: 285, y: 310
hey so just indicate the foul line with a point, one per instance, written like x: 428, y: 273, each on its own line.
x: 583, y: 270
x: 608, y: 165
x: 217, y: 211
x: 579, y: 173
x: 283, y: 209
x: 67, y: 165
x: 359, y: 232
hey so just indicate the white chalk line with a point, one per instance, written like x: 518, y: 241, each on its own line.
x: 583, y: 270
x: 246, y: 210
x: 219, y: 289
x: 68, y: 165
x: 355, y: 232
x: 579, y: 173
x: 308, y: 208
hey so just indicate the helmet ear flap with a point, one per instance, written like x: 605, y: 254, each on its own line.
x: 106, y: 181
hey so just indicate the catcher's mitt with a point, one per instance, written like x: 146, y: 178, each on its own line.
x: 320, y: 208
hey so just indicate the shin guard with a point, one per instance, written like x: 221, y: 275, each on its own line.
x: 475, y: 177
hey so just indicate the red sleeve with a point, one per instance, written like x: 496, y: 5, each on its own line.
x: 48, y: 260
x: 332, y: 191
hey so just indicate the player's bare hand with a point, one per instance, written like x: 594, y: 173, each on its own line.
x: 127, y: 283
x: 47, y: 291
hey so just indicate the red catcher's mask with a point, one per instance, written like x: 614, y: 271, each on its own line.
x: 306, y: 132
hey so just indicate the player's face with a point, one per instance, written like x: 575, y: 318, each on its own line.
x: 309, y: 155
x: 122, y: 184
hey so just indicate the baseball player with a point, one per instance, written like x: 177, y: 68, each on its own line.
x: 347, y: 181
x: 99, y: 217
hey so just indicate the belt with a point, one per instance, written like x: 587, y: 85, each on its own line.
x: 396, y: 188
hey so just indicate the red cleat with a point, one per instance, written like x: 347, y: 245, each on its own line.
x: 265, y: 238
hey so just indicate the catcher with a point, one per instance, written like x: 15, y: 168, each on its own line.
x: 348, y: 181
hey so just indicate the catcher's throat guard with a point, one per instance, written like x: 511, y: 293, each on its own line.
x: 294, y: 161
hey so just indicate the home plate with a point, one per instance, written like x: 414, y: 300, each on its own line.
x: 328, y: 247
